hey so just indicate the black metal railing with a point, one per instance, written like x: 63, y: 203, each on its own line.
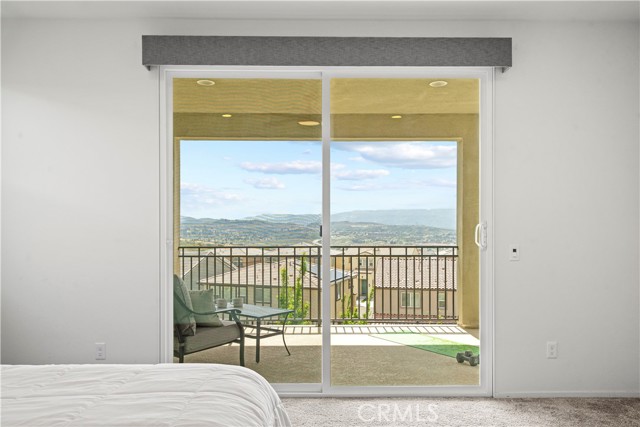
x: 369, y: 284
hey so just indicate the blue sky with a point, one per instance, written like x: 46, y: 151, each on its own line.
x: 237, y: 179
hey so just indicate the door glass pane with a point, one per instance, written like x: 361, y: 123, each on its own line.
x: 404, y: 203
x: 248, y: 205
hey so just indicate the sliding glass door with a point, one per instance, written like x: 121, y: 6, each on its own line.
x: 340, y: 207
x: 248, y: 201
x: 399, y: 149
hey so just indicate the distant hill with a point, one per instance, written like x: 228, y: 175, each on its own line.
x: 190, y: 220
x: 369, y: 233
x: 244, y: 232
x: 417, y: 226
x: 307, y: 219
x: 438, y: 218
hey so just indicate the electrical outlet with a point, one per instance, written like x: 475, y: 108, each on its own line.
x: 552, y: 349
x: 514, y: 253
x: 101, y: 351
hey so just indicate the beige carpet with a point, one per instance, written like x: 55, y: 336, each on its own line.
x: 352, y: 365
x: 456, y: 412
x: 397, y: 365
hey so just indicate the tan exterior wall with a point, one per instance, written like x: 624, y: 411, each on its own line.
x: 176, y: 204
x: 387, y: 302
x: 342, y: 306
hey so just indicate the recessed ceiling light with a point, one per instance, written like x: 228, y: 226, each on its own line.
x: 396, y: 117
x: 308, y: 123
x: 206, y: 82
x: 438, y: 83
x: 226, y: 116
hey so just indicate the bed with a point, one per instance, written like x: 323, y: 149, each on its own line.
x: 138, y: 395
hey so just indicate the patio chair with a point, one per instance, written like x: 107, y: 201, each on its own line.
x: 190, y: 337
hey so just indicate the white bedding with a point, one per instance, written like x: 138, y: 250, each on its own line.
x: 138, y: 395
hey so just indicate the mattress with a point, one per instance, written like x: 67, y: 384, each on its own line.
x: 138, y: 395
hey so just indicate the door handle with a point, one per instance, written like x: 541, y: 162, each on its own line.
x: 481, y: 235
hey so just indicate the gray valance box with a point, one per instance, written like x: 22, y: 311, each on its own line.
x: 327, y: 51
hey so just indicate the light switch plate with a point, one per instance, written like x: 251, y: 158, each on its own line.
x: 101, y: 351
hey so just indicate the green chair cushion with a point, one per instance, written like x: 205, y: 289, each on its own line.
x: 183, y: 318
x: 203, y: 302
x: 208, y: 337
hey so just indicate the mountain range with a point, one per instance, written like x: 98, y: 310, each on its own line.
x: 438, y: 218
x: 355, y: 227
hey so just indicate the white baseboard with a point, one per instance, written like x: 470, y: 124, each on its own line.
x: 581, y: 394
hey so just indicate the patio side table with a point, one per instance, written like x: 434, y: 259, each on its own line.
x: 259, y: 313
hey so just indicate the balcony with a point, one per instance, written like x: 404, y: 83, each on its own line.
x: 368, y: 285
x: 377, y: 294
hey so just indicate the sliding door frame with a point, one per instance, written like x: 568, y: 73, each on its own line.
x: 486, y: 117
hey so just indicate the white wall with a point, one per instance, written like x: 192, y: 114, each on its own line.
x: 80, y: 165
x: 80, y: 192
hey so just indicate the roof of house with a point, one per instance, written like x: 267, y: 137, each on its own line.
x: 416, y: 272
x: 197, y: 265
x: 336, y: 274
x: 269, y: 274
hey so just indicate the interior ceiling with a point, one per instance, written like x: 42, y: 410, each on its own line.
x: 404, y: 96
x: 360, y: 107
x: 348, y: 96
x: 328, y: 9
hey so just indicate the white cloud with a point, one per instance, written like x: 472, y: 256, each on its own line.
x: 360, y: 174
x: 409, y: 155
x: 356, y: 159
x: 270, y: 183
x: 370, y: 186
x: 202, y: 195
x: 400, y: 185
x: 440, y: 182
x: 293, y: 167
